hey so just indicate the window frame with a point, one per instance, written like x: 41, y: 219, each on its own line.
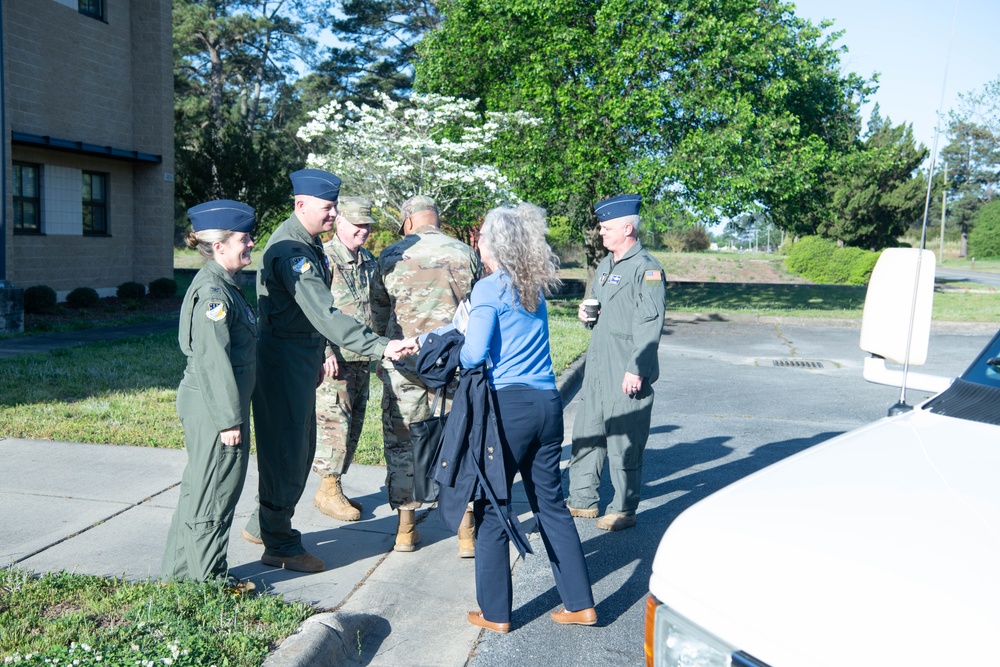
x: 19, y: 199
x: 93, y: 8
x: 92, y: 204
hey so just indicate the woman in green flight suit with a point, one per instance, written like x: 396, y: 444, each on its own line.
x: 218, y: 335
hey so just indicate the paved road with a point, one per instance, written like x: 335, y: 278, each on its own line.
x: 723, y: 410
x: 977, y: 277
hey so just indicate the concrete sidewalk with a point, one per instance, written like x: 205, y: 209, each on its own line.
x: 105, y: 510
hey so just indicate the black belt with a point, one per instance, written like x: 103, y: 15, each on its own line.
x: 278, y: 333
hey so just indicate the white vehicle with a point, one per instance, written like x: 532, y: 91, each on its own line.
x: 877, y: 548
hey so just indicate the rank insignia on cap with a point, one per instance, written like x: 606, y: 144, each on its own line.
x: 615, y: 279
x: 251, y: 316
x: 216, y: 311
x: 653, y: 274
x: 301, y: 265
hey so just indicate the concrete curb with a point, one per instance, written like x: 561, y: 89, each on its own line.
x: 327, y: 639
x: 319, y: 642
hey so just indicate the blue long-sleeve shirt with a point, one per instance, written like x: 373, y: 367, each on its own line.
x: 516, y: 341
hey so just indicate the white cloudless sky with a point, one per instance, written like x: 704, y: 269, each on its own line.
x: 907, y: 42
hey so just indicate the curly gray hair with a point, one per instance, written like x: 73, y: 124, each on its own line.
x: 516, y: 239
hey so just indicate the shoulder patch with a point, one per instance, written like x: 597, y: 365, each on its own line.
x: 215, y: 311
x: 301, y: 264
x: 654, y: 274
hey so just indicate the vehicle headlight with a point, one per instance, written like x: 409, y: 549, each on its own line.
x: 674, y: 641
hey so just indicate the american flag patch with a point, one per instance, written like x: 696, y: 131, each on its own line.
x: 653, y: 274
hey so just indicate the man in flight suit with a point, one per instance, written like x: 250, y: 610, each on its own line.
x: 295, y: 320
x: 612, y: 424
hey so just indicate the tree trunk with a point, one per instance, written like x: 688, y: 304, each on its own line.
x: 963, y: 250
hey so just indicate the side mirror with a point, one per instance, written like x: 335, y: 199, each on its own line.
x: 896, y: 324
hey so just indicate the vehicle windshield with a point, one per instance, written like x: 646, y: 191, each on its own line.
x: 985, y: 370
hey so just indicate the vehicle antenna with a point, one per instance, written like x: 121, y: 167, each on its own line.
x: 901, y: 405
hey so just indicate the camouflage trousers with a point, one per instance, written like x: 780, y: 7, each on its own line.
x: 405, y: 399
x: 340, y: 417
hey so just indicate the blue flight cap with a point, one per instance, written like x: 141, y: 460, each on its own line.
x: 617, y: 207
x: 316, y: 183
x: 225, y: 214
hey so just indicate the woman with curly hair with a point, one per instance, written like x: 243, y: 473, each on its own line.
x: 508, y: 330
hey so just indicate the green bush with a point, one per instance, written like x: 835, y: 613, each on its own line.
x: 984, y: 239
x: 561, y: 232
x: 163, y: 288
x: 83, y: 297
x: 809, y: 256
x: 131, y: 291
x: 39, y: 298
x: 696, y: 239
x: 821, y: 261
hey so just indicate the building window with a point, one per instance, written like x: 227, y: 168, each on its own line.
x: 95, y: 203
x: 92, y: 8
x: 27, y: 198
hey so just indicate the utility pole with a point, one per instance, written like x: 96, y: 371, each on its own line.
x: 944, y: 199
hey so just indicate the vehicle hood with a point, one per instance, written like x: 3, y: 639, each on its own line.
x: 878, y: 547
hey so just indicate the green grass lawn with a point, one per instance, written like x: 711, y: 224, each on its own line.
x: 124, y: 392
x: 71, y: 619
x: 818, y: 301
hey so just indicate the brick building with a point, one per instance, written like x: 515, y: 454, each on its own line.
x: 86, y: 104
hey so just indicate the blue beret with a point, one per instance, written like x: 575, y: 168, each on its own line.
x: 617, y: 207
x: 225, y: 214
x: 316, y: 183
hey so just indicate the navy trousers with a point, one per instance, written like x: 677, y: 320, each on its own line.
x: 531, y: 432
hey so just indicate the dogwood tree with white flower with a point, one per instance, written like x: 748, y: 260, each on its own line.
x: 429, y: 145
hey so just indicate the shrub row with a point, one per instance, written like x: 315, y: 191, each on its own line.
x: 822, y: 261
x: 42, y: 298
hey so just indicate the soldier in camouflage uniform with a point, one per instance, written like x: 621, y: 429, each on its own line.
x: 418, y: 286
x: 343, y: 397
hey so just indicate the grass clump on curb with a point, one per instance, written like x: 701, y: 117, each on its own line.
x: 72, y: 619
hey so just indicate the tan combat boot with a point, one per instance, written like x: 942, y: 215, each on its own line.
x: 407, y: 537
x: 331, y: 501
x: 467, y: 536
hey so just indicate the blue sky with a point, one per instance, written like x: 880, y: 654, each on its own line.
x: 907, y: 41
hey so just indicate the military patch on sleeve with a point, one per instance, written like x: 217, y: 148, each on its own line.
x: 301, y: 264
x: 615, y: 279
x: 215, y: 311
x: 251, y: 315
x: 653, y: 274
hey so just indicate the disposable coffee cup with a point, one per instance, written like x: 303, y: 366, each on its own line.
x: 590, y: 308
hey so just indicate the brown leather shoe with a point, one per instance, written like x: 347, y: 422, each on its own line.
x: 616, y: 521
x: 252, y: 539
x: 583, y: 514
x: 303, y: 562
x: 583, y: 617
x: 476, y: 618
